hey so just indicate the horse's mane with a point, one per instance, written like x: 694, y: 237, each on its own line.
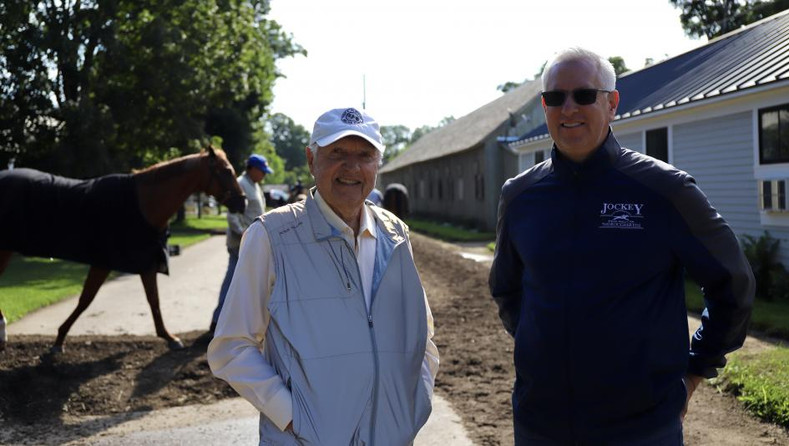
x: 176, y: 166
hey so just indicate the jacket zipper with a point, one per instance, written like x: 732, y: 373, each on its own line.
x: 576, y: 191
x: 370, y: 325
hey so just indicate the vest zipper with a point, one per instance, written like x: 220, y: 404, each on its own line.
x: 373, y: 341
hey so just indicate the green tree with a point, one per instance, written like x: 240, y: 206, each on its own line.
x: 289, y: 140
x: 425, y: 129
x: 396, y: 137
x: 509, y: 85
x: 715, y: 18
x: 619, y: 64
x: 92, y: 86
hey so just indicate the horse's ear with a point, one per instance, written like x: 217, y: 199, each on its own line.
x: 210, y: 150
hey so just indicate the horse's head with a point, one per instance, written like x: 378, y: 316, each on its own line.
x: 222, y: 182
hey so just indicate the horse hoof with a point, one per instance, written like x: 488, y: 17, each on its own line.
x: 175, y: 344
x: 56, y: 349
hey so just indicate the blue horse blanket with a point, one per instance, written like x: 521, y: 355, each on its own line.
x: 96, y: 221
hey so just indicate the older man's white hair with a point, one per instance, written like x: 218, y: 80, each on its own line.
x: 604, y: 67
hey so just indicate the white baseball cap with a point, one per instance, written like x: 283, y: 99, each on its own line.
x: 341, y: 122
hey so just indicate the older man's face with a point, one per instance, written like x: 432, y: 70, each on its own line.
x: 345, y: 173
x: 576, y: 129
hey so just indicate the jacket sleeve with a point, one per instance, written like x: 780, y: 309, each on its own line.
x: 506, y: 274
x: 712, y: 256
x: 235, y: 224
x: 235, y: 354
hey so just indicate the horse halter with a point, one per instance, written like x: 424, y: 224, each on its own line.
x: 234, y: 202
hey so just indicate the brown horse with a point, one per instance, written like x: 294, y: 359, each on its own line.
x: 117, y: 222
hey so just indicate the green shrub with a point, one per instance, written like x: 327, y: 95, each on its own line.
x: 772, y: 280
x: 761, y: 382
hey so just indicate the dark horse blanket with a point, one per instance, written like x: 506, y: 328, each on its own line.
x: 97, y: 221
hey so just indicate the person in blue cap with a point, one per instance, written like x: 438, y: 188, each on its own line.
x: 237, y: 223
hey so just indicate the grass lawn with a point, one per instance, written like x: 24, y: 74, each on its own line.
x: 447, y: 232
x: 760, y: 380
x: 30, y: 283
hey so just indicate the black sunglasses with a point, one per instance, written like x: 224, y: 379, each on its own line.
x: 581, y: 96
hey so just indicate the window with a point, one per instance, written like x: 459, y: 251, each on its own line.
x: 767, y: 195
x: 773, y: 195
x: 657, y: 143
x: 774, y: 135
x: 539, y: 156
x: 479, y: 187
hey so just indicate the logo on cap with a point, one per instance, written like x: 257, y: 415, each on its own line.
x: 351, y: 116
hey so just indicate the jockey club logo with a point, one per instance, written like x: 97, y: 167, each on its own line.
x: 351, y: 116
x: 621, y: 216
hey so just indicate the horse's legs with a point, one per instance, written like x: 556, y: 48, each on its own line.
x: 5, y: 257
x: 96, y: 277
x: 152, y: 294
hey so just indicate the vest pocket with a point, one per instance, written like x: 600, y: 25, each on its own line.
x: 303, y: 421
x: 271, y: 435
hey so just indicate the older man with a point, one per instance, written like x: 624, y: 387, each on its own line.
x: 326, y: 329
x: 593, y: 246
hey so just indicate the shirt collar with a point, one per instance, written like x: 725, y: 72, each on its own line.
x: 366, y: 226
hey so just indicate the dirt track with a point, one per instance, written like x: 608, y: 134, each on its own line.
x: 40, y: 397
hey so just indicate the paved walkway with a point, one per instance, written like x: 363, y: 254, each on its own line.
x: 188, y: 297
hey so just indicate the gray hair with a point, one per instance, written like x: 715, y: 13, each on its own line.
x: 604, y: 68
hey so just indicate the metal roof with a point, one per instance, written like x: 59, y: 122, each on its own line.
x: 749, y: 57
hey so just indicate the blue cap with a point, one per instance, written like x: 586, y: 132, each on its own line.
x: 260, y: 162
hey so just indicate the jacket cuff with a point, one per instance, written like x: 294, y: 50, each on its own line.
x: 699, y: 367
x: 279, y: 408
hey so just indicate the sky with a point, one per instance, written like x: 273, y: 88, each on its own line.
x: 415, y: 62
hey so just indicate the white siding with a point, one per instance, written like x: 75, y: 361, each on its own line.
x: 719, y: 154
x: 631, y: 140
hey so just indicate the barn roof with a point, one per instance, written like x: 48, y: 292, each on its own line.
x: 467, y: 131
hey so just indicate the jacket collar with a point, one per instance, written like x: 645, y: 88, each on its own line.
x: 602, y: 158
x: 322, y: 229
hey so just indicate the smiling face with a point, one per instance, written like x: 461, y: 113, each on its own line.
x: 576, y: 129
x: 344, y: 174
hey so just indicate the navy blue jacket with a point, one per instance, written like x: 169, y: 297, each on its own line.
x: 589, y: 276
